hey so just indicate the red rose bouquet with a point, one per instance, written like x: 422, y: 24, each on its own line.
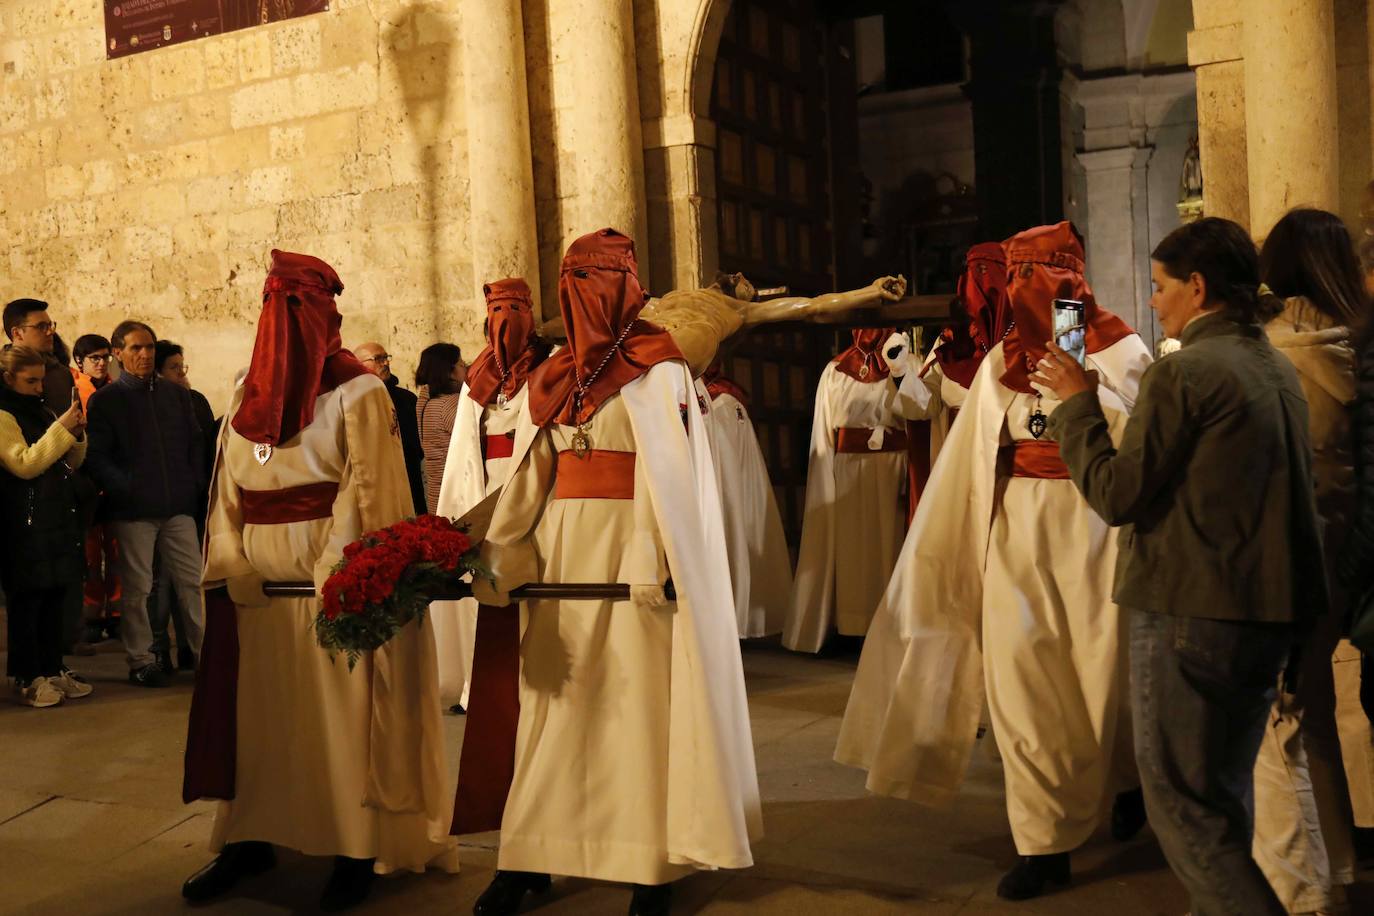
x: 386, y: 579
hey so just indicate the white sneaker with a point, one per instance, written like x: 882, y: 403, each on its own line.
x: 70, y: 687
x: 41, y: 693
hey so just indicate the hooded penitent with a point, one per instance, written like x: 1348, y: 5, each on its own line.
x: 512, y: 350
x: 608, y: 344
x: 298, y: 354
x: 717, y: 384
x: 863, y: 361
x: 983, y: 295
x: 1044, y: 264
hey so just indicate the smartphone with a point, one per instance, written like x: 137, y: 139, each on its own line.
x: 76, y: 398
x: 1069, y: 331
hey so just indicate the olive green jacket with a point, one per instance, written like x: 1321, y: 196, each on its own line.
x: 1211, y: 484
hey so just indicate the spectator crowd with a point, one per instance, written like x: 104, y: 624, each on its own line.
x: 106, y: 459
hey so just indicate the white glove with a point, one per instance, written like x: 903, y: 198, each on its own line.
x: 485, y: 592
x: 246, y: 590
x: 898, y: 356
x: 647, y: 597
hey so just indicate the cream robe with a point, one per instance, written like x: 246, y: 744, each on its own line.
x: 319, y: 747
x: 633, y: 759
x: 760, y: 567
x: 855, y: 514
x: 932, y: 396
x: 1029, y: 590
x: 468, y: 478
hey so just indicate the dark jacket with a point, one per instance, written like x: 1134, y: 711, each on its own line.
x: 1355, y: 565
x: 404, y: 401
x: 58, y: 386
x: 147, y: 451
x: 42, y: 547
x: 1212, y: 483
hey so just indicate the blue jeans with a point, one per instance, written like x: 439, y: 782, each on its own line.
x: 1201, y: 691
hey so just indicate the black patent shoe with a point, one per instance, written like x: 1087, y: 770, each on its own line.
x: 235, y: 862
x: 1128, y: 815
x: 1031, y: 874
x: 348, y: 885
x: 651, y: 900
x: 502, y: 897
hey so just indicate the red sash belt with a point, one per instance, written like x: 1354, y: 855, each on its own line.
x: 1032, y: 458
x: 853, y: 440
x: 502, y: 446
x: 602, y: 474
x: 290, y: 504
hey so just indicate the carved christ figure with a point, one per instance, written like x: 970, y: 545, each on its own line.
x: 700, y: 320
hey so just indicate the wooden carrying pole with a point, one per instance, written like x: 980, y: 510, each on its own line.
x: 535, y: 591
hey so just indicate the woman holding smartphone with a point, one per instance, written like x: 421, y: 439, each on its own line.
x: 1221, y: 558
x: 42, y: 550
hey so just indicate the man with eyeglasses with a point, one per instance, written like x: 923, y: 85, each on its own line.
x: 376, y: 360
x: 92, y: 372
x: 28, y: 324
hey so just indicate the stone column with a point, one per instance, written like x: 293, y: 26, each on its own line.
x: 1214, y: 52
x: 1111, y: 228
x: 501, y: 173
x: 604, y: 135
x: 1290, y: 102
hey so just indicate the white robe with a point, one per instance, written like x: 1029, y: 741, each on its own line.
x: 855, y: 515
x: 318, y: 745
x: 1003, y: 589
x: 468, y: 478
x: 634, y: 760
x: 760, y: 567
x: 932, y: 396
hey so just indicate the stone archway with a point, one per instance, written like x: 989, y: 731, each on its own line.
x: 678, y: 44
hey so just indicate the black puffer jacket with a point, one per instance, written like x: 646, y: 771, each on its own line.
x: 147, y: 449
x: 1355, y: 567
x: 43, y: 519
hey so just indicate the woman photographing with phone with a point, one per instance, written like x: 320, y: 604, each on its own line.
x: 1221, y: 556
x: 42, y: 550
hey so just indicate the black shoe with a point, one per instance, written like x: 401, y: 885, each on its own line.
x: 457, y: 709
x: 164, y: 662
x: 502, y: 897
x: 651, y: 900
x: 235, y: 862
x: 93, y: 633
x: 186, y: 660
x: 1030, y: 875
x: 1128, y: 814
x: 148, y: 676
x: 349, y: 884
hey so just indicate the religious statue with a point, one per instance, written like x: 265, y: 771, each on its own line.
x: 1190, y: 184
x: 700, y: 320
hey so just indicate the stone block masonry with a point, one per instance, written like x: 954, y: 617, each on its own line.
x: 155, y: 186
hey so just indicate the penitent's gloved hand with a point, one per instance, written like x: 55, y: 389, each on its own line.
x: 485, y: 593
x: 647, y: 597
x: 246, y: 590
x: 898, y: 356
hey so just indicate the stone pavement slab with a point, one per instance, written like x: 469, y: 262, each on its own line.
x: 91, y: 822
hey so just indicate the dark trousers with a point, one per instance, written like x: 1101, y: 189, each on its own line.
x: 35, y: 633
x: 1201, y: 691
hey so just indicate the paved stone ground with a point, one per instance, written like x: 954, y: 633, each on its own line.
x: 91, y: 821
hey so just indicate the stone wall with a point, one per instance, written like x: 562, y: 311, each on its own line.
x: 155, y: 186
